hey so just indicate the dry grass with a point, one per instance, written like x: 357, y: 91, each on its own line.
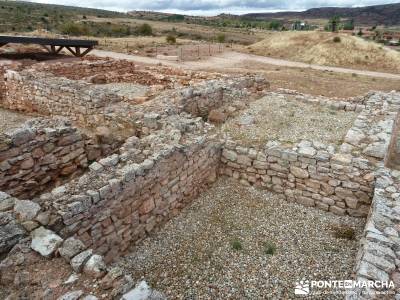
x: 284, y: 119
x: 319, y: 48
x: 141, y: 44
x: 191, y: 31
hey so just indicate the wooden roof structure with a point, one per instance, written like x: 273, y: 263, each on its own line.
x: 52, y: 45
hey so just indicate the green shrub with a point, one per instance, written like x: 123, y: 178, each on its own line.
x: 343, y: 231
x: 170, y: 39
x: 74, y: 29
x: 144, y: 29
x: 269, y: 248
x: 221, y: 38
x: 236, y: 245
x: 337, y: 39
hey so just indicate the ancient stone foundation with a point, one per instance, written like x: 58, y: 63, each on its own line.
x: 75, y: 200
x: 41, y: 153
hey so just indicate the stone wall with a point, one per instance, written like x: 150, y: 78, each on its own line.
x: 314, y: 174
x: 85, y: 68
x: 392, y: 159
x: 92, y: 104
x: 378, y: 258
x: 2, y: 83
x: 311, y: 174
x: 125, y: 196
x: 41, y: 153
x: 109, y: 71
x: 54, y: 96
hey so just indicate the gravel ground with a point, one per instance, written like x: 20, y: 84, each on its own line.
x: 10, y: 119
x: 217, y: 248
x: 278, y: 117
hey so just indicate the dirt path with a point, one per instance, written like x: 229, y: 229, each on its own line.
x: 234, y: 60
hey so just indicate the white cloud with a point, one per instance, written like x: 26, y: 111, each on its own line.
x: 212, y: 6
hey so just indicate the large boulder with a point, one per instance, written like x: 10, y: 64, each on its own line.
x: 45, y: 241
x: 26, y: 210
x: 10, y: 232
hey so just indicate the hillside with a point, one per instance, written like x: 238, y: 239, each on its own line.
x: 388, y: 14
x: 320, y: 48
x: 27, y: 16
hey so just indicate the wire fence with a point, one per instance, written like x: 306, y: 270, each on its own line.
x: 180, y: 52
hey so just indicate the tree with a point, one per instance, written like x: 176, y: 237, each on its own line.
x: 144, y: 29
x: 274, y: 25
x: 349, y: 25
x: 170, y: 39
x: 334, y: 23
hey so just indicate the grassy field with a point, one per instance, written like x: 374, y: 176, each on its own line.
x: 322, y: 48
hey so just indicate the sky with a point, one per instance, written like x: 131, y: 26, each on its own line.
x: 213, y: 7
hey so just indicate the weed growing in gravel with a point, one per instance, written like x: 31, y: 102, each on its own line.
x: 343, y: 231
x: 269, y: 248
x: 236, y: 245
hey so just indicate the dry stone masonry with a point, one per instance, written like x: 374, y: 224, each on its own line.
x: 66, y: 195
x: 41, y: 153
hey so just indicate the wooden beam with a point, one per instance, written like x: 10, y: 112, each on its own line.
x: 59, y: 49
x: 71, y: 50
x: 86, y: 51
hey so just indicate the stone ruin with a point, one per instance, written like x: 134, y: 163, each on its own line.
x: 106, y: 163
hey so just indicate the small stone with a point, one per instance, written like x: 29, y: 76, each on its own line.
x: 104, y: 135
x: 305, y: 201
x: 375, y: 150
x: 111, y: 276
x: 72, y: 279
x: 141, y: 292
x: 21, y: 135
x: 342, y: 159
x: 27, y: 163
x: 307, y: 151
x: 216, y: 116
x: 43, y: 218
x: 95, y: 266
x: 246, y: 120
x: 90, y: 297
x: 74, y: 295
x: 7, y: 204
x: 71, y: 247
x: 229, y: 154
x: 298, y: 172
x: 78, y: 261
x: 96, y: 167
x: 30, y: 225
